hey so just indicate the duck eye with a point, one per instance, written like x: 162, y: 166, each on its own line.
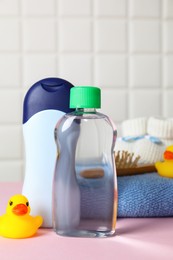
x: 27, y: 204
x: 10, y: 203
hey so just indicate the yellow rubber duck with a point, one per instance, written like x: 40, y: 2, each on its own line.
x: 16, y: 222
x: 165, y: 168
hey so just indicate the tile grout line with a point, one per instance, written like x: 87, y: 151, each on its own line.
x: 92, y: 69
x: 57, y: 50
x: 128, y: 59
x: 162, y: 89
x: 22, y: 90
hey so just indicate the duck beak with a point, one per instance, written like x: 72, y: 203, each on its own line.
x: 20, y: 209
x: 168, y: 155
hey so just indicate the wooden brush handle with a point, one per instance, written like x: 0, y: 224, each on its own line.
x: 92, y: 173
x: 136, y: 170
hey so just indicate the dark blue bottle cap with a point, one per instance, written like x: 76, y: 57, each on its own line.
x: 49, y: 93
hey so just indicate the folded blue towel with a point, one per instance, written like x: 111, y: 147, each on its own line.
x: 145, y: 195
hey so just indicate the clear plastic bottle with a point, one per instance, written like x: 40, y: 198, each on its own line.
x: 85, y: 182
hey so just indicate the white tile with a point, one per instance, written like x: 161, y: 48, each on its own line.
x: 74, y: 7
x: 145, y: 8
x: 9, y: 7
x: 10, y: 171
x: 168, y: 36
x: 75, y: 35
x: 145, y: 103
x: 145, y: 71
x: 10, y: 106
x: 168, y: 71
x: 168, y: 104
x: 110, y: 35
x: 110, y: 7
x: 9, y: 70
x: 38, y: 66
x: 114, y: 104
x: 39, y: 34
x: 76, y: 68
x: 168, y: 8
x: 145, y: 36
x: 10, y: 140
x: 9, y: 31
x: 111, y: 70
x: 39, y: 7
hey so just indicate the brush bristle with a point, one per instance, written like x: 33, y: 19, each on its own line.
x: 124, y: 159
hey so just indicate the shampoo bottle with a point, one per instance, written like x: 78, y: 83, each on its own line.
x: 44, y: 104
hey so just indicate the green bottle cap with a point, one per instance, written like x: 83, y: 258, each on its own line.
x: 85, y: 97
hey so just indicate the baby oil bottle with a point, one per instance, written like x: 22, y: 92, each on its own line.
x: 85, y: 182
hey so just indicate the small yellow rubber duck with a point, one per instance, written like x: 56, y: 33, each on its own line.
x: 165, y: 168
x: 16, y: 222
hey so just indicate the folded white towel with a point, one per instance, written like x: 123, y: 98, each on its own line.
x: 124, y: 146
x: 134, y: 127
x: 147, y: 138
x: 148, y: 151
x: 162, y: 128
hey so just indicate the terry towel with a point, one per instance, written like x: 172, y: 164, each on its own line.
x: 145, y: 195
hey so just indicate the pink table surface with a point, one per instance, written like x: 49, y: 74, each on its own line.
x: 150, y: 238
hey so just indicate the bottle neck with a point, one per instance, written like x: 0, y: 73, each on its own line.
x: 86, y: 110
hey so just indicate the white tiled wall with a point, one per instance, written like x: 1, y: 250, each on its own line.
x: 123, y: 46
